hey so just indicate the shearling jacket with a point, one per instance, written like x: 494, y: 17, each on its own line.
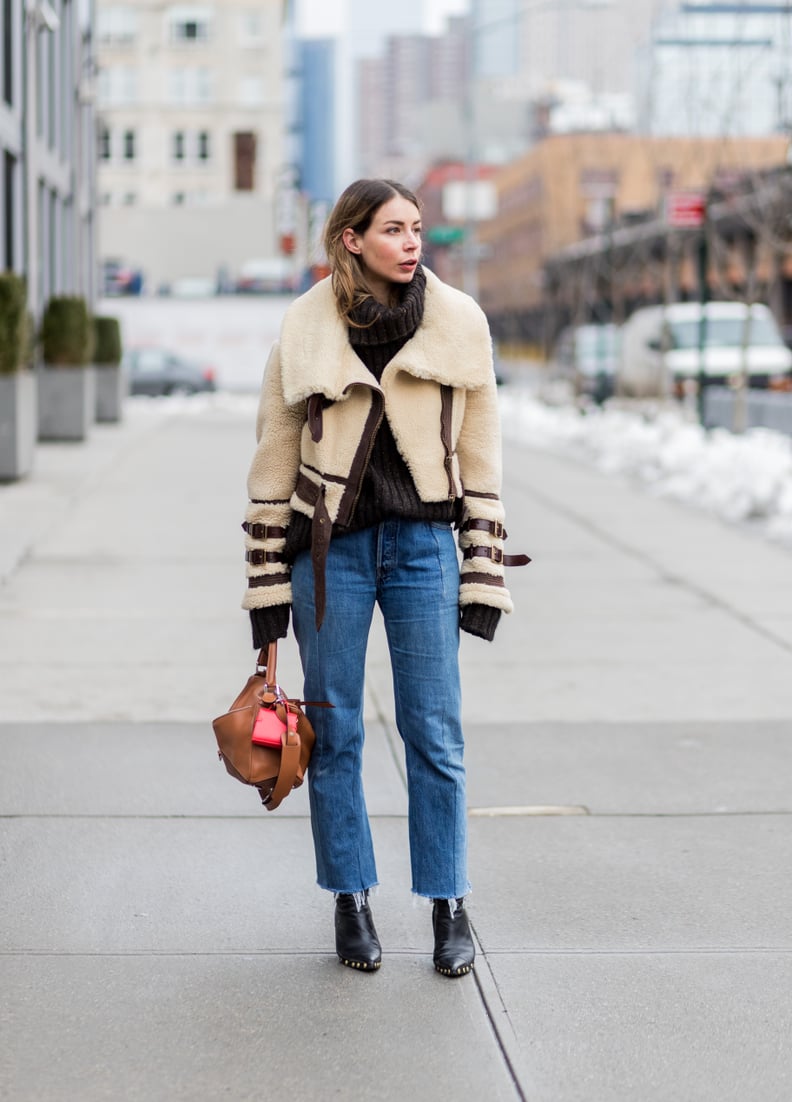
x: 320, y: 410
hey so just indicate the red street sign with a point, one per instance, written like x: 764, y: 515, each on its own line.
x: 685, y: 209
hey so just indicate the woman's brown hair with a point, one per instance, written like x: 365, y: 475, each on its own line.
x: 355, y: 208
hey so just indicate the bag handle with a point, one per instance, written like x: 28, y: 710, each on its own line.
x: 267, y: 662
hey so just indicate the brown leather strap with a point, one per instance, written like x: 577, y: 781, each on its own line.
x: 289, y: 763
x: 494, y: 527
x: 258, y: 558
x: 264, y: 531
x: 496, y: 555
x: 321, y: 532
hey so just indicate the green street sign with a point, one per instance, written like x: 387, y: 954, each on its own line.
x: 445, y: 235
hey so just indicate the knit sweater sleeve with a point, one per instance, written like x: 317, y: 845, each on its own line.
x: 269, y: 624
x: 480, y: 620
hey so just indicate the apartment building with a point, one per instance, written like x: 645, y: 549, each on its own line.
x: 47, y: 146
x: 574, y: 187
x: 191, y: 136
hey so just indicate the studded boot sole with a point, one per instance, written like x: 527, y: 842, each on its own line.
x: 357, y: 944
x: 454, y: 950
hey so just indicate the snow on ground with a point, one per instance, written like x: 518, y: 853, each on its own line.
x: 743, y: 479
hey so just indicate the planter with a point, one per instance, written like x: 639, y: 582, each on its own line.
x: 66, y: 401
x: 18, y: 424
x: 110, y: 392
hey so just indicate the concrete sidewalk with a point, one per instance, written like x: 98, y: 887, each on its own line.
x: 628, y: 750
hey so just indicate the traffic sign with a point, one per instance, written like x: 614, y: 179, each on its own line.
x: 445, y: 235
x: 685, y: 209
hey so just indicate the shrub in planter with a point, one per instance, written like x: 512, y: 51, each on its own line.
x: 67, y: 385
x: 107, y: 358
x: 18, y: 420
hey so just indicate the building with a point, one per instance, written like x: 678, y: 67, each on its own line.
x: 411, y: 101
x: 316, y: 119
x: 47, y: 147
x: 570, y: 188
x: 715, y: 69
x: 192, y: 157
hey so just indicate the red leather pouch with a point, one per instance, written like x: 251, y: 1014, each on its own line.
x: 269, y: 727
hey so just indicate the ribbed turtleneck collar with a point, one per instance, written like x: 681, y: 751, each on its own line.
x: 384, y: 324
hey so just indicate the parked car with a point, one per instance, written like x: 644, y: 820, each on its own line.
x: 267, y: 276
x: 119, y: 279
x: 158, y: 371
x: 587, y: 356
x: 661, y: 354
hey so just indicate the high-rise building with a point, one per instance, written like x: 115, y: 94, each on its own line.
x: 716, y: 69
x: 409, y: 102
x: 192, y: 158
x: 316, y: 118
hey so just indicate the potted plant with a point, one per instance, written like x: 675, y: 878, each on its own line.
x: 18, y: 419
x: 107, y: 361
x: 67, y: 384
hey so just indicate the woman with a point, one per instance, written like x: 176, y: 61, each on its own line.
x: 378, y: 431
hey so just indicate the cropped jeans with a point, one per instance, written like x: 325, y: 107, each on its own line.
x: 410, y: 569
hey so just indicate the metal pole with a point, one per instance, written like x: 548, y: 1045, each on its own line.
x: 703, y: 271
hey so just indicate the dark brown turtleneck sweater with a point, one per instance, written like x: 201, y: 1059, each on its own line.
x: 388, y: 489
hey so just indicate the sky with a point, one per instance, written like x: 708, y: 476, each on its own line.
x: 325, y: 17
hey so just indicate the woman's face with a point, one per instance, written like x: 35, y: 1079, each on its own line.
x: 390, y: 248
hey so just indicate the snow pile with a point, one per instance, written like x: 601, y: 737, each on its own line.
x: 740, y: 478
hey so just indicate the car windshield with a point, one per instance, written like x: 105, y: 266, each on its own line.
x: 724, y: 333
x: 597, y: 340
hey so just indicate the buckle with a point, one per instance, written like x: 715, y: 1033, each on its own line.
x: 498, y: 531
x: 496, y: 555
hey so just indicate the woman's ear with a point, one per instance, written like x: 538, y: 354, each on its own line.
x: 350, y: 239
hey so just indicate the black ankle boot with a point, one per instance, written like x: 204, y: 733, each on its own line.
x: 454, y: 951
x: 357, y: 943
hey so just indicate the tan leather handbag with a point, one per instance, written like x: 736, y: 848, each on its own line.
x: 265, y: 739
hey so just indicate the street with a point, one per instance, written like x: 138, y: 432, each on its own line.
x: 628, y: 755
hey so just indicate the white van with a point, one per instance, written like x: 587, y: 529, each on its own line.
x: 673, y: 334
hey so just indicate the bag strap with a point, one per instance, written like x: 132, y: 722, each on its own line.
x: 289, y: 764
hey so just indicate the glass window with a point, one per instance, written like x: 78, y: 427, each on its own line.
x: 116, y: 26
x: 251, y: 28
x: 129, y: 145
x: 188, y: 85
x: 105, y: 143
x: 203, y: 85
x: 178, y: 145
x: 9, y: 37
x: 204, y: 145
x: 9, y: 209
x: 724, y: 333
x: 251, y: 91
x: 189, y: 24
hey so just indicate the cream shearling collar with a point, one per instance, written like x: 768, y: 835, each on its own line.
x: 452, y: 346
